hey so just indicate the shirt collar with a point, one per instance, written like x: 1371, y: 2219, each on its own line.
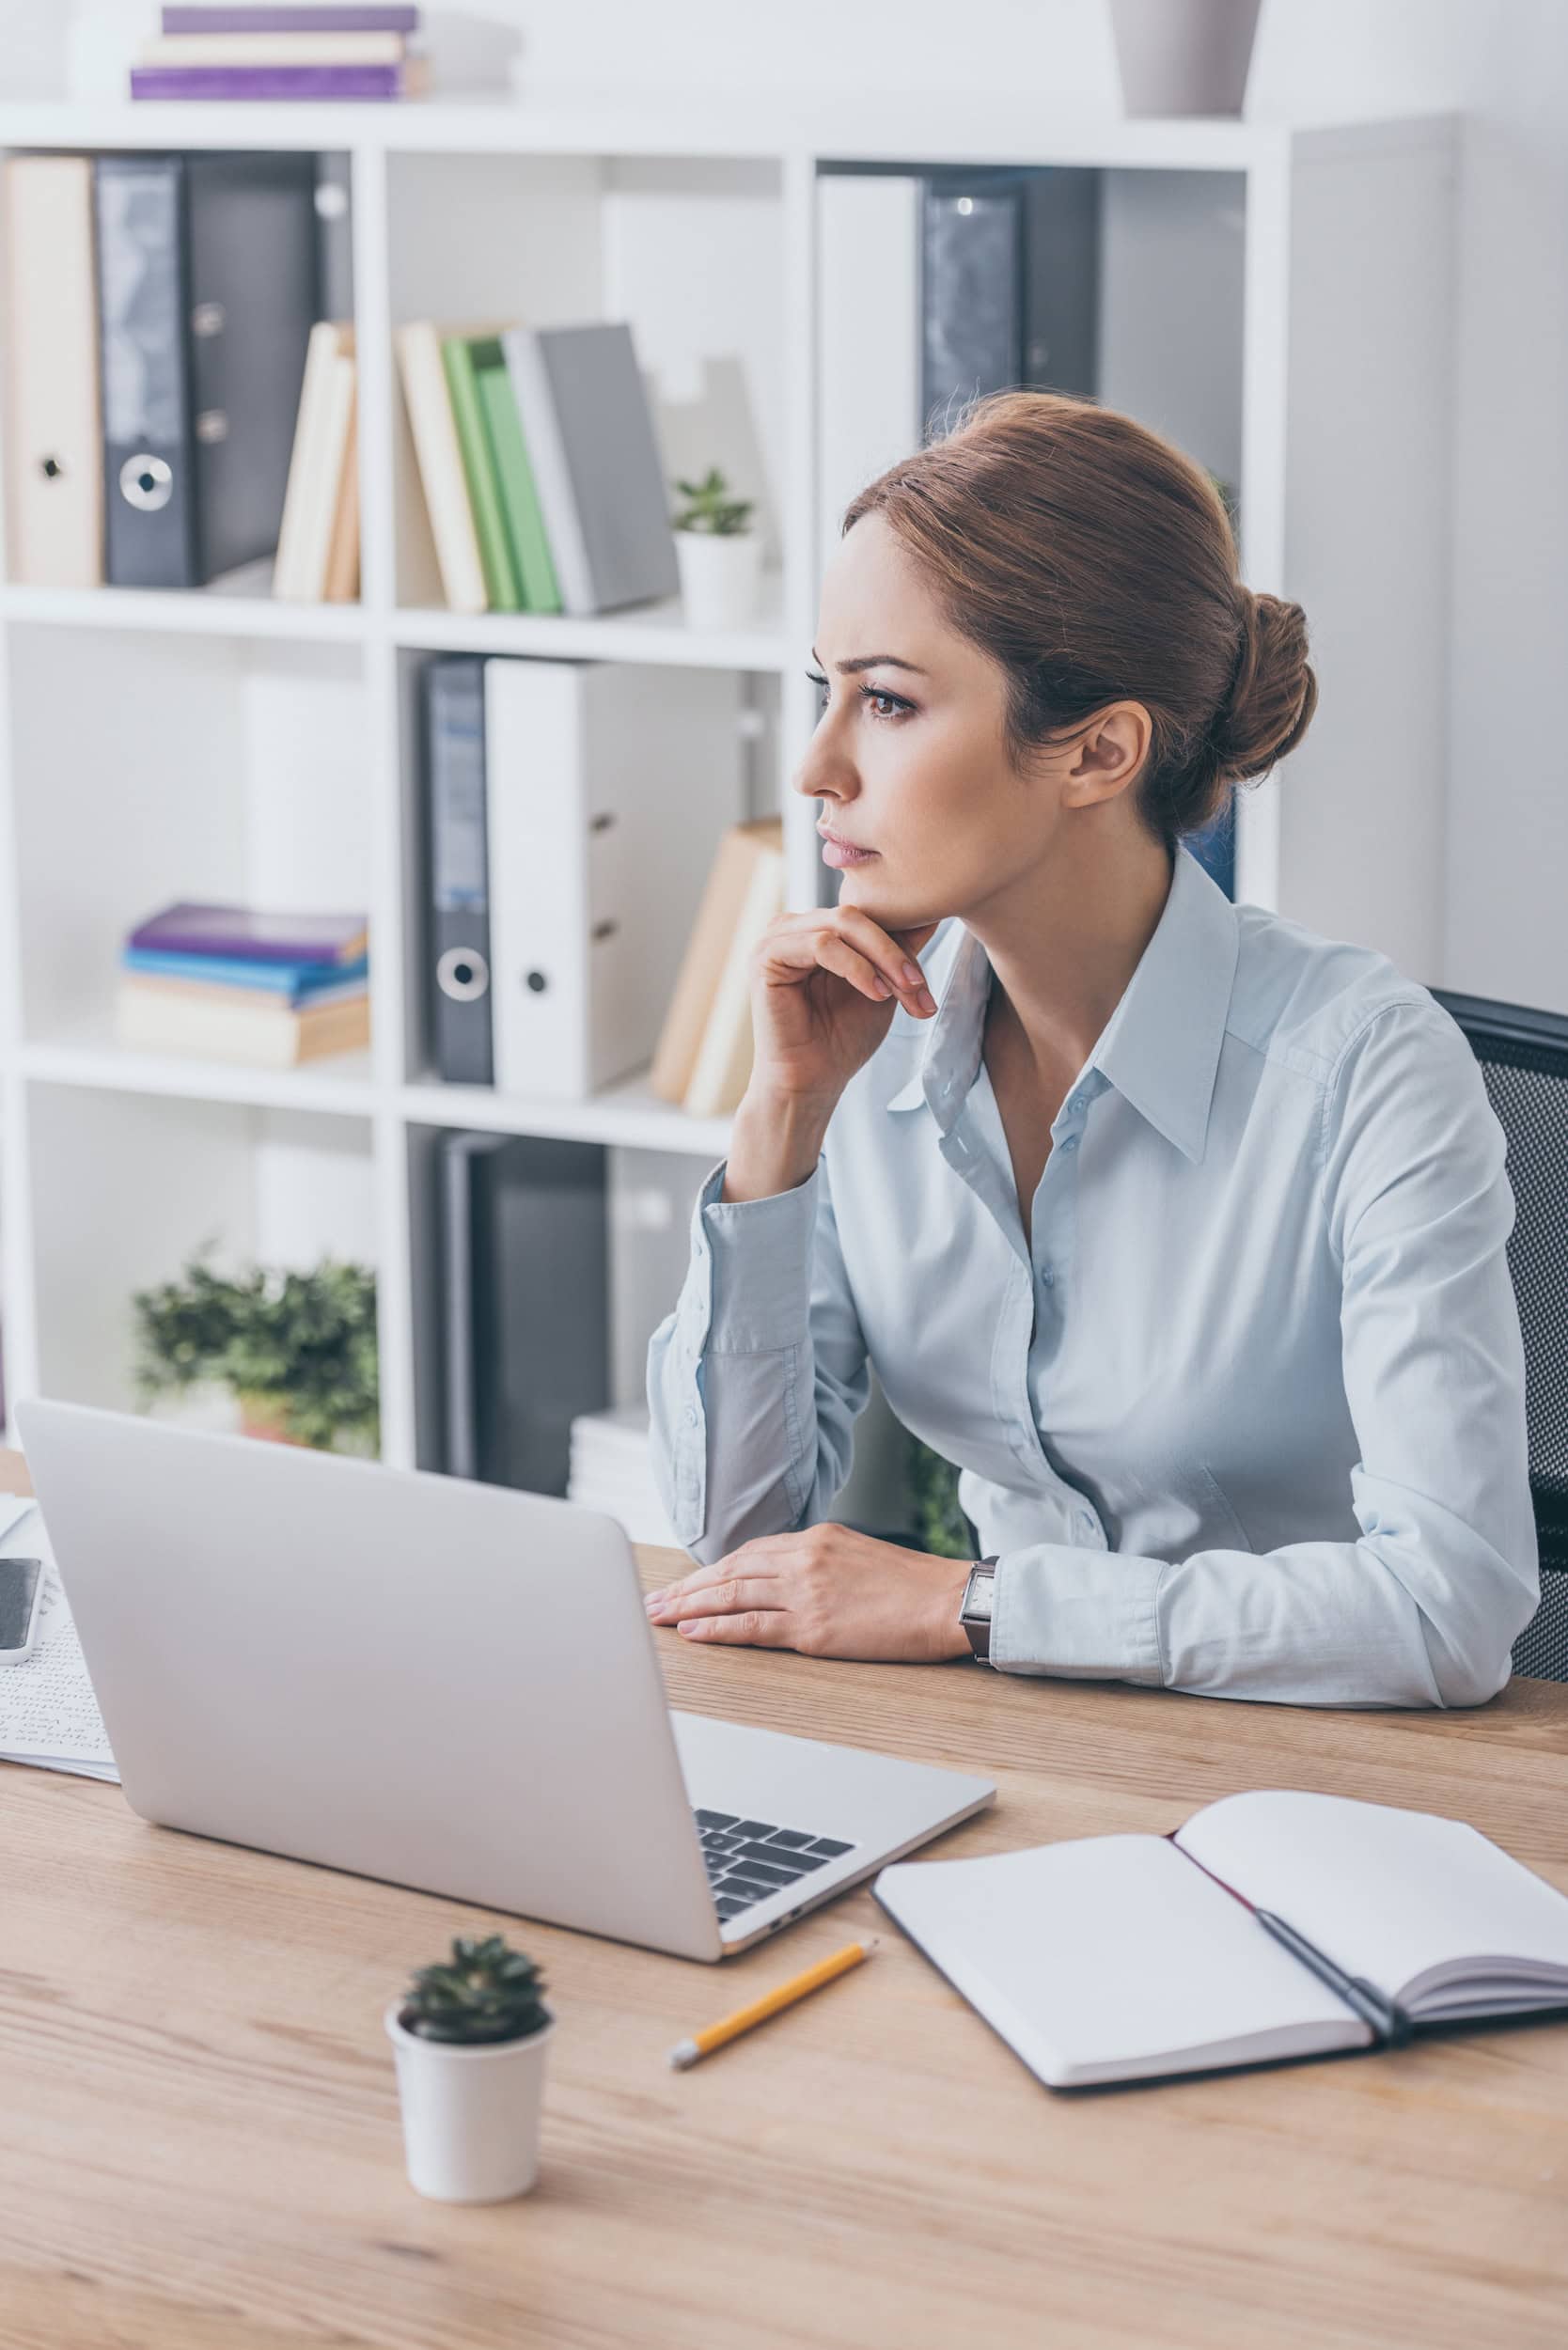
x: 1160, y: 1048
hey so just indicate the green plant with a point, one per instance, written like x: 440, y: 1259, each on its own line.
x: 302, y: 1343
x: 939, y: 1522
x: 485, y: 1993
x: 708, y: 507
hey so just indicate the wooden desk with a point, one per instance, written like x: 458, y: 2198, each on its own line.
x: 199, y: 2127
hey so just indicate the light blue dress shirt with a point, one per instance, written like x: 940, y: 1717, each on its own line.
x: 1246, y: 1414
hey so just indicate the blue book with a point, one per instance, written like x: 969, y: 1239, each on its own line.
x: 293, y: 982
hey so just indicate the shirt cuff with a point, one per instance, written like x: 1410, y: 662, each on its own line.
x: 1083, y: 1615
x: 760, y: 1252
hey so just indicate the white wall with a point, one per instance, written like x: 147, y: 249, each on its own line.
x: 1508, y: 767
x: 1503, y: 62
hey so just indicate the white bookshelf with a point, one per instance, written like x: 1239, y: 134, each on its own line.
x: 1275, y: 299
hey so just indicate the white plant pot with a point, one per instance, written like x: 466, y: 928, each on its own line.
x: 470, y: 2115
x: 1184, y: 56
x: 720, y: 578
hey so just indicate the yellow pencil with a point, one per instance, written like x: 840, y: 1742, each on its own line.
x: 798, y: 1987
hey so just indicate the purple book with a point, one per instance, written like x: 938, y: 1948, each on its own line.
x: 252, y: 936
x: 347, y: 19
x: 270, y: 81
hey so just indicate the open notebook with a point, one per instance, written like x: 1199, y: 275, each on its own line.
x: 1125, y: 1957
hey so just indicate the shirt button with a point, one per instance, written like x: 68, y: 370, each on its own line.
x: 1048, y: 1279
x: 691, y: 1415
x: 1076, y: 1103
x: 1070, y: 1142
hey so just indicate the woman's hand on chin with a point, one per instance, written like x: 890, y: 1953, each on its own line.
x: 826, y: 1591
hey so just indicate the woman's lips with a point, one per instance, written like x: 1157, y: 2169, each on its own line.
x: 837, y: 851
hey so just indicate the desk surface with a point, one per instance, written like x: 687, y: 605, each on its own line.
x: 199, y: 2128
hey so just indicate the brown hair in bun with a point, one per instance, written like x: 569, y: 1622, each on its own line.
x: 1096, y: 563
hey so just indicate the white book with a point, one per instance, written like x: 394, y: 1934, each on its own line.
x: 273, y: 48
x: 435, y: 445
x: 1130, y: 1957
x: 607, y: 787
x: 322, y: 440
x: 868, y: 337
x: 53, y: 436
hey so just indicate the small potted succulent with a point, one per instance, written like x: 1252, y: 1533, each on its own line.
x: 470, y: 2039
x: 297, y: 1351
x: 720, y: 552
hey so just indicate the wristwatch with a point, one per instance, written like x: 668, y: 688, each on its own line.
x: 975, y: 1614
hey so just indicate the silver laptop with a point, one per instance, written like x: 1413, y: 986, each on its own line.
x: 449, y: 1685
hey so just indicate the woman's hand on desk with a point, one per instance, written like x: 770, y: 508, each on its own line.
x: 826, y: 1591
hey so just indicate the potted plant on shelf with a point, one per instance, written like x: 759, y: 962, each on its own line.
x: 720, y: 552
x: 470, y: 2038
x: 297, y: 1351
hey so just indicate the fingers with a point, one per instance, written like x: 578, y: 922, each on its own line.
x: 843, y: 940
x: 755, y: 1627
x: 833, y: 955
x: 896, y: 965
x: 731, y: 1595
x: 758, y: 1556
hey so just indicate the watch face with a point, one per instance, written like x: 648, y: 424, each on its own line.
x: 981, y: 1591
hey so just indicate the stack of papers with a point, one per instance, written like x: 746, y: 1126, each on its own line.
x: 48, y: 1713
x: 612, y: 1469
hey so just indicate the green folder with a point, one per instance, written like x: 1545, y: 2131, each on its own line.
x: 514, y: 476
x: 502, y: 584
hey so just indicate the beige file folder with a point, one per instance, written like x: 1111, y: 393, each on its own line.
x: 54, y: 486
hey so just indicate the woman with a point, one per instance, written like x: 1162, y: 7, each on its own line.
x: 1179, y: 1229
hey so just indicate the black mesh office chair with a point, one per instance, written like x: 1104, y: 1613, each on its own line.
x: 1524, y: 1058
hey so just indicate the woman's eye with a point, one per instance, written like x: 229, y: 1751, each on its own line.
x: 884, y: 706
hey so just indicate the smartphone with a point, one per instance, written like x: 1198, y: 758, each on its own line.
x: 21, y: 1599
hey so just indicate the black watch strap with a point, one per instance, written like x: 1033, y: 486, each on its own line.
x: 975, y: 1614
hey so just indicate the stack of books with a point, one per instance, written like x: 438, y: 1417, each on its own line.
x: 703, y: 1060
x: 238, y: 984
x: 254, y: 51
x: 540, y: 469
x: 612, y: 1470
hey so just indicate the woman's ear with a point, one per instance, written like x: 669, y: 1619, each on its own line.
x: 1110, y: 755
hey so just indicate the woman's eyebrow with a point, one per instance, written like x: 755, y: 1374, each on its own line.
x: 870, y: 661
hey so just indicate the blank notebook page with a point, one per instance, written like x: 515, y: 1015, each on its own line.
x: 1112, y: 1958
x: 1412, y: 1902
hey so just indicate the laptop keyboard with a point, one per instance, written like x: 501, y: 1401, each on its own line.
x: 748, y: 1860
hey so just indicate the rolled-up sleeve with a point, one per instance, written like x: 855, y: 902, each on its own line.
x: 1424, y: 1609
x: 756, y: 1378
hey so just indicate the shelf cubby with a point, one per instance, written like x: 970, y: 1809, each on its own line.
x: 148, y: 767
x: 689, y: 252
x: 127, y: 1186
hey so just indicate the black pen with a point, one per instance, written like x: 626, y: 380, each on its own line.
x: 1388, y: 2019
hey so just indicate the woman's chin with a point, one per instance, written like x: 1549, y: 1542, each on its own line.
x: 872, y: 893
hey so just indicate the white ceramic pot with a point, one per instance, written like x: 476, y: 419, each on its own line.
x: 1184, y: 56
x: 720, y: 578
x: 470, y: 2115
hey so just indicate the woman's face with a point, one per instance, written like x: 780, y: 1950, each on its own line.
x: 923, y: 811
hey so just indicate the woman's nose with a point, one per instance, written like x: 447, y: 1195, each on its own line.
x: 825, y: 773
